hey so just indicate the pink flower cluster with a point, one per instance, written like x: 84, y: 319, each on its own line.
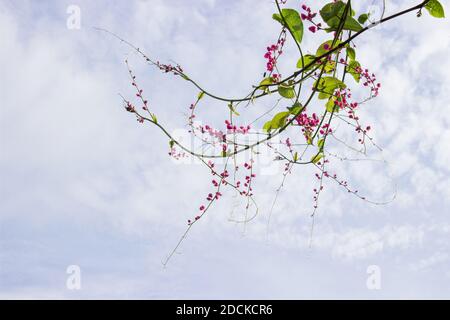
x: 224, y: 174
x: 248, y: 179
x: 340, y: 182
x: 288, y: 144
x: 272, y: 54
x: 342, y: 99
x: 363, y: 132
x: 326, y: 129
x: 370, y: 79
x: 129, y: 107
x: 219, y: 134
x: 210, y: 197
x: 234, y: 129
x: 213, y: 132
x: 220, y: 179
x: 169, y: 68
x: 308, y: 15
x: 177, y: 155
x: 316, y: 195
x: 276, y: 77
x: 307, y: 123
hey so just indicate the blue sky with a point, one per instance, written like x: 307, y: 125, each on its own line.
x: 81, y: 183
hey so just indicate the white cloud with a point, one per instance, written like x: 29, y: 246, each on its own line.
x: 82, y: 181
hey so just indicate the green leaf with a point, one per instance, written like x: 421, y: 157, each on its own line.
x: 330, y: 66
x: 278, y: 121
x: 267, y: 126
x: 277, y: 17
x: 351, y: 69
x: 307, y: 59
x: 331, y: 10
x: 233, y: 110
x: 295, y: 157
x: 287, y: 92
x: 293, y: 22
x: 200, y: 95
x: 264, y: 84
x: 171, y: 143
x: 331, y: 106
x: 296, y: 109
x: 350, y: 24
x: 332, y: 13
x: 363, y: 18
x: 326, y: 47
x: 327, y: 85
x: 308, y: 138
x: 154, y: 119
x: 317, y: 158
x: 351, y: 53
x: 321, y: 144
x: 435, y: 8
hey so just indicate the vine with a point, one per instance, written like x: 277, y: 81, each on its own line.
x: 319, y: 98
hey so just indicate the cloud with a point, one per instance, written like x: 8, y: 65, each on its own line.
x: 83, y: 183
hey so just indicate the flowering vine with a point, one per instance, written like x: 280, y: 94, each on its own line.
x: 319, y: 95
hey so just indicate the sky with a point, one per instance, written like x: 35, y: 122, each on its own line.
x: 83, y: 184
